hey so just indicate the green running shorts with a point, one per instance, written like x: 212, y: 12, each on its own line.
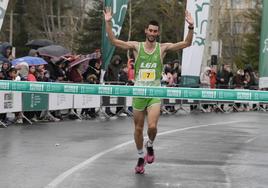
x: 141, y: 104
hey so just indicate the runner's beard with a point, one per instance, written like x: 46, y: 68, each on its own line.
x: 151, y: 38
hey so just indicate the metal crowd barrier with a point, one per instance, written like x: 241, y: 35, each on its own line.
x: 108, y: 102
x: 29, y: 102
x: 218, y: 106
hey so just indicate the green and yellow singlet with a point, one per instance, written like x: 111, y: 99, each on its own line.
x: 148, y: 72
x: 148, y: 67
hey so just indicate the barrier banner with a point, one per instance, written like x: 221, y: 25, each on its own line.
x: 57, y: 101
x: 192, y: 56
x: 10, y: 102
x: 34, y: 102
x: 86, y: 101
x: 136, y: 91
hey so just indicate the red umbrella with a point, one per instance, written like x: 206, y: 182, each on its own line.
x: 83, y: 59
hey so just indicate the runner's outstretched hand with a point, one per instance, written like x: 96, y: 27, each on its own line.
x: 108, y: 15
x: 188, y: 18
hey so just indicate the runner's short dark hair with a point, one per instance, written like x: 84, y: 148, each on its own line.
x: 153, y: 22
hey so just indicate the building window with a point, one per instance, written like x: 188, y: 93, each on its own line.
x: 238, y: 4
x: 238, y: 28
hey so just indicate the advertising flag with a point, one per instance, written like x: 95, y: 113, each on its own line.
x: 193, y: 55
x: 263, y: 66
x: 119, y: 9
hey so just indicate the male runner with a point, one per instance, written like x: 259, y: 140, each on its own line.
x: 148, y: 70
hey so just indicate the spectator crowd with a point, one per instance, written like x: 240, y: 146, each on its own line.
x: 63, y: 69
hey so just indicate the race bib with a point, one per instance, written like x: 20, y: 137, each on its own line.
x: 147, y: 74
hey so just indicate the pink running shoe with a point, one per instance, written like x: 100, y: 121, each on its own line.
x: 139, y: 169
x: 149, y: 157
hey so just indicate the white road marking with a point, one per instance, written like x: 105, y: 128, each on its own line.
x: 58, y: 180
x: 168, y: 184
x: 250, y: 140
x: 227, y: 177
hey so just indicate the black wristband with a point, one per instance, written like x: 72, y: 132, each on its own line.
x: 191, y: 27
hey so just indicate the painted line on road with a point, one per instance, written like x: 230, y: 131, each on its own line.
x: 252, y: 139
x: 58, y: 180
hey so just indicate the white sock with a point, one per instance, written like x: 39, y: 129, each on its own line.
x: 140, y: 153
x: 150, y: 143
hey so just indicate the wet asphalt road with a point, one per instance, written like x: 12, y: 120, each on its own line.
x: 192, y: 151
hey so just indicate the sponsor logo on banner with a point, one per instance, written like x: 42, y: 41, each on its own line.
x: 116, y: 22
x: 243, y: 95
x: 139, y: 91
x: 209, y: 94
x: 265, y: 49
x: 201, y: 9
x: 173, y: 93
x: 105, y: 90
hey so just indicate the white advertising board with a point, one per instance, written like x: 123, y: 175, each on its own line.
x: 10, y: 102
x: 58, y: 101
x: 87, y: 101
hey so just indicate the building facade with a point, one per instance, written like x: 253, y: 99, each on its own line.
x: 227, y: 27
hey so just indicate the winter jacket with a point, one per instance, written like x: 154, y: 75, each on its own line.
x: 112, y: 73
x: 3, y: 52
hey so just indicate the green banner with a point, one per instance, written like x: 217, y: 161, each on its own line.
x: 190, y: 81
x: 133, y: 91
x: 263, y: 67
x: 119, y: 9
x: 34, y: 101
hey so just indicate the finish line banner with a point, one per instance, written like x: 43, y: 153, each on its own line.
x: 135, y: 91
x: 192, y: 56
x: 263, y: 68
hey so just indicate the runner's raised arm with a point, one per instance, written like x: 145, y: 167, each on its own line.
x: 129, y: 45
x: 188, y: 40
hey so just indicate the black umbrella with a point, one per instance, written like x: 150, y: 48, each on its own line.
x: 37, y: 43
x: 53, y: 51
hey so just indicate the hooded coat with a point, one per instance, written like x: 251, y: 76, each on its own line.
x: 112, y: 73
x: 205, y: 78
x: 3, y: 52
